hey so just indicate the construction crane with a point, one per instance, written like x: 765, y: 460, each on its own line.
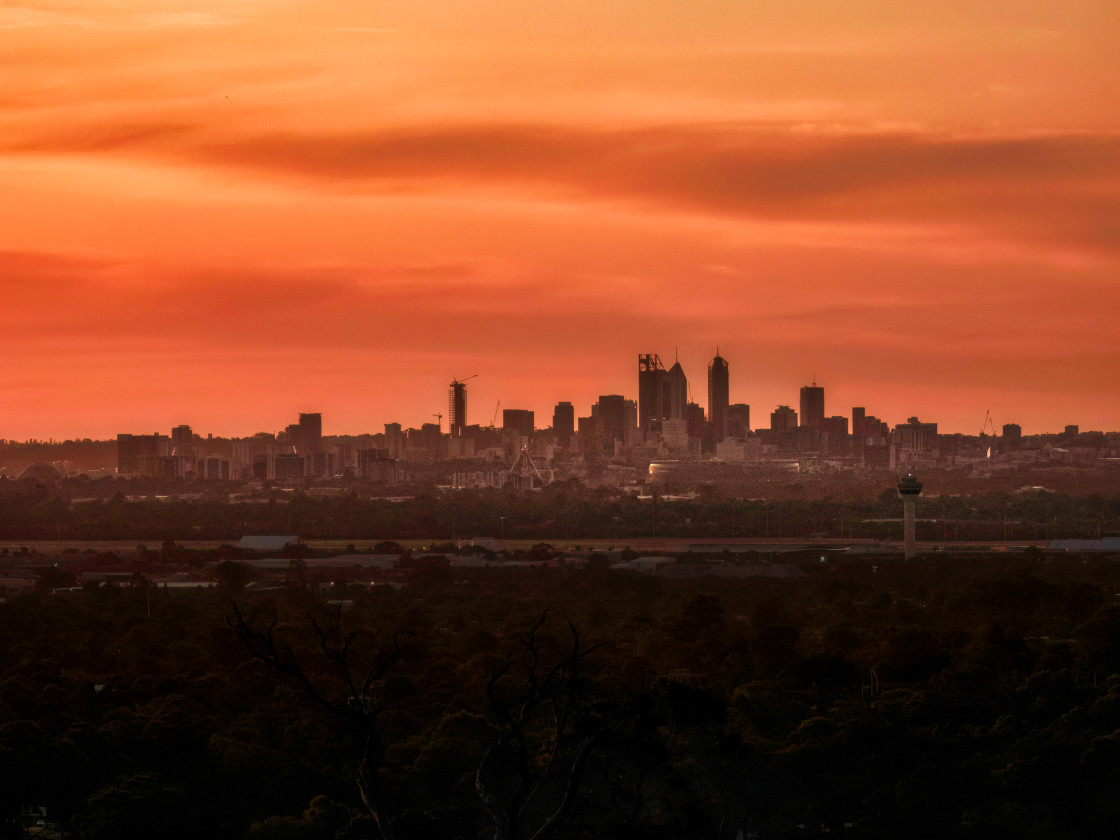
x: 439, y: 422
x: 457, y: 405
x: 494, y: 419
x: 987, y: 425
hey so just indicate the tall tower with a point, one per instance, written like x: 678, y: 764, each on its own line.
x: 719, y: 397
x: 310, y: 434
x: 812, y: 406
x: 675, y: 393
x: 564, y: 422
x: 909, y: 489
x: 456, y: 407
x: 651, y: 374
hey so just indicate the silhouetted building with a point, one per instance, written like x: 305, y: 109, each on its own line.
x: 564, y: 422
x: 834, y: 435
x: 590, y: 433
x: 139, y: 454
x: 307, y: 436
x: 719, y: 397
x: 457, y: 408
x: 651, y: 377
x: 783, y: 417
x: 182, y: 440
x: 1072, y: 431
x: 738, y: 420
x: 214, y: 469
x: 376, y: 465
x: 288, y: 467
x: 694, y: 419
x: 812, y: 406
x: 617, y: 418
x: 394, y: 439
x: 519, y: 420
x: 1012, y: 435
x: 675, y: 393
x: 915, y: 435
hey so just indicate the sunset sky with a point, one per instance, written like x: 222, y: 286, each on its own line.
x: 226, y: 212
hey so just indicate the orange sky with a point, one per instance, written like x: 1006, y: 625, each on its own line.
x: 227, y: 213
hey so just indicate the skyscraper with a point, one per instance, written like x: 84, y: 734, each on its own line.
x: 519, y: 420
x: 719, y: 398
x: 564, y: 422
x: 651, y: 376
x: 674, y: 393
x: 457, y: 408
x: 812, y: 406
x: 310, y: 434
x: 617, y: 417
x: 783, y: 417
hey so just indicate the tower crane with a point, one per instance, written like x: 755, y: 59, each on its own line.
x: 494, y: 419
x: 456, y: 381
x: 987, y: 425
x: 439, y: 422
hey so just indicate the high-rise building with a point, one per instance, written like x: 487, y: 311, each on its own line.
x: 651, y: 376
x: 738, y: 420
x: 915, y: 435
x: 140, y: 454
x: 457, y: 408
x: 617, y: 418
x: 859, y: 416
x: 310, y: 434
x: 564, y: 422
x: 783, y: 417
x: 694, y: 419
x: 719, y: 397
x: 182, y: 440
x: 674, y: 393
x: 812, y: 406
x: 519, y: 420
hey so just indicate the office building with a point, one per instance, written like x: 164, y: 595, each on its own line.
x: 675, y: 394
x: 564, y: 422
x: 718, y: 397
x: 519, y: 420
x: 783, y: 417
x: 307, y: 435
x: 738, y: 420
x: 651, y: 377
x: 617, y: 419
x: 812, y: 406
x: 182, y: 440
x: 139, y: 454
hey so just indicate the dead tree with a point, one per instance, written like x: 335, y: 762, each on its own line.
x: 544, y: 731
x: 350, y: 686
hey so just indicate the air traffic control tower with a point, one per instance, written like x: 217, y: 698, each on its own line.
x: 909, y: 489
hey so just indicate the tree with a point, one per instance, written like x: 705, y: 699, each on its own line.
x: 527, y: 778
x: 348, y: 681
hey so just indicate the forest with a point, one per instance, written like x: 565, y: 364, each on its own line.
x: 950, y: 696
x: 563, y: 512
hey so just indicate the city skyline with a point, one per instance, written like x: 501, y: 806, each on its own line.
x: 239, y: 212
x: 458, y: 395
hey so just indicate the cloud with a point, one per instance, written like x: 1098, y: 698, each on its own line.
x: 1058, y: 186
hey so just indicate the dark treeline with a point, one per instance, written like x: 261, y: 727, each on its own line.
x: 954, y: 697
x: 561, y: 512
